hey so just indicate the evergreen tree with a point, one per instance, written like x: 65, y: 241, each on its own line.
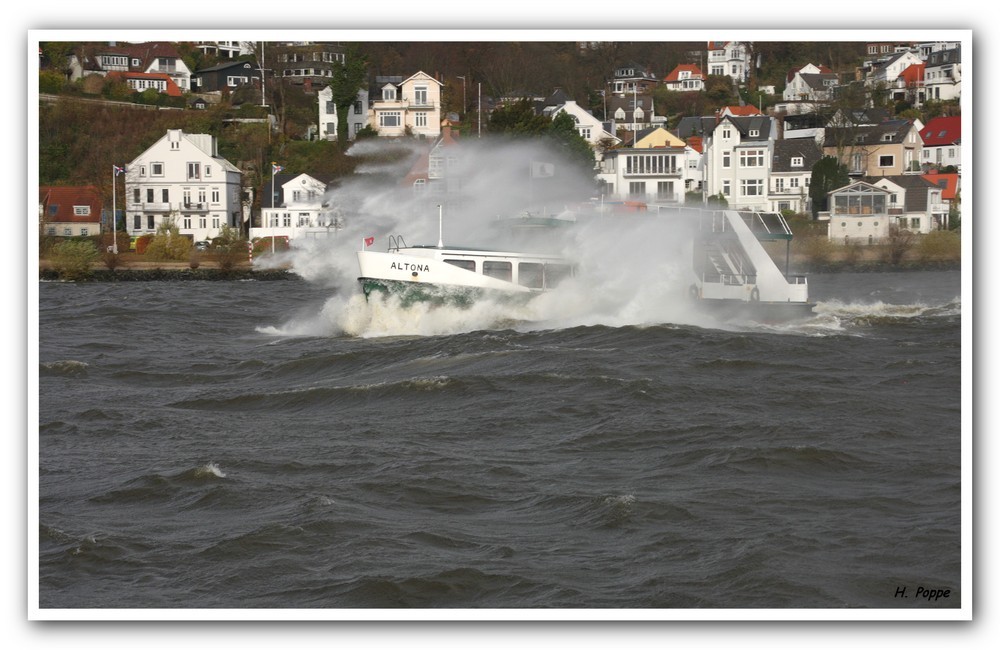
x: 347, y: 80
x: 827, y: 175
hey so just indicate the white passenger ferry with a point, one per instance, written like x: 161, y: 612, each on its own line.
x: 457, y: 274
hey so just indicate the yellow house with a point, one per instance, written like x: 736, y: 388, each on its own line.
x: 657, y: 138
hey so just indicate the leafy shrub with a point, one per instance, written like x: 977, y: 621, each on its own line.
x: 230, y: 248
x: 73, y: 260
x: 939, y: 245
x: 169, y: 244
x: 142, y: 243
x: 817, y: 249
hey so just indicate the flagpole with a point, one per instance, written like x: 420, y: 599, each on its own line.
x: 114, y: 222
x: 273, y: 174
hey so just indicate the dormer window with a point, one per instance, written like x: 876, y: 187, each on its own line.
x: 797, y: 161
x: 754, y: 133
x: 887, y: 137
x: 389, y: 94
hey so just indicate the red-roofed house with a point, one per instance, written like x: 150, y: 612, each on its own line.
x: 141, y: 81
x: 686, y: 77
x: 105, y: 58
x: 739, y: 111
x: 909, y: 85
x: 69, y: 211
x: 942, y: 138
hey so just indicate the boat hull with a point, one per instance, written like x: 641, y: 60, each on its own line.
x: 409, y: 293
x: 759, y: 311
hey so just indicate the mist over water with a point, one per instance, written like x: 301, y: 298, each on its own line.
x: 632, y: 269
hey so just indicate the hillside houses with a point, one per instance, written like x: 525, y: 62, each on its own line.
x: 753, y: 157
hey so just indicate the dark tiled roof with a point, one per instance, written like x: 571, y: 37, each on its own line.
x: 785, y: 150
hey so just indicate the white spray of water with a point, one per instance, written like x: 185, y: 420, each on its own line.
x: 633, y: 269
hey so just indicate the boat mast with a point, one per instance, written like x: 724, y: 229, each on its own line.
x: 440, y: 228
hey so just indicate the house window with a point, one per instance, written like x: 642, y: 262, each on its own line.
x: 752, y: 158
x: 637, y: 189
x: 779, y: 185
x: 187, y: 223
x: 84, y: 232
x: 215, y: 195
x: 150, y: 222
x: 751, y: 187
x: 136, y: 222
x: 215, y: 222
x: 149, y: 195
x: 155, y: 169
x: 165, y: 193
x: 193, y: 171
x: 81, y: 210
x: 357, y: 108
x: 915, y: 223
x: 50, y: 231
x: 725, y: 159
x: 886, y: 161
x: 187, y: 197
x: 665, y: 190
x: 202, y: 222
x: 208, y: 170
x: 420, y: 119
x: 726, y: 133
x: 585, y: 133
x: 754, y: 133
x: 390, y: 119
x: 389, y: 94
x: 68, y: 232
x: 286, y: 219
x: 726, y: 191
x: 793, y: 182
x: 303, y: 218
x: 797, y: 161
x: 420, y: 95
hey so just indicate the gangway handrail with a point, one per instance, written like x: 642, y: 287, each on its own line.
x: 396, y: 242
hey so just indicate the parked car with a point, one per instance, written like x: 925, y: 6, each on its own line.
x: 202, y: 245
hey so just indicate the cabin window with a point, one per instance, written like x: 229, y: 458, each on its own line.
x: 556, y: 273
x: 530, y: 274
x: 468, y: 265
x: 499, y: 270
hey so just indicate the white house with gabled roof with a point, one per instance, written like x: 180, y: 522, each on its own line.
x: 181, y: 179
x: 296, y: 206
x: 737, y: 160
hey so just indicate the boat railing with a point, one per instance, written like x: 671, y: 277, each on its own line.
x: 731, y: 279
x: 396, y: 242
